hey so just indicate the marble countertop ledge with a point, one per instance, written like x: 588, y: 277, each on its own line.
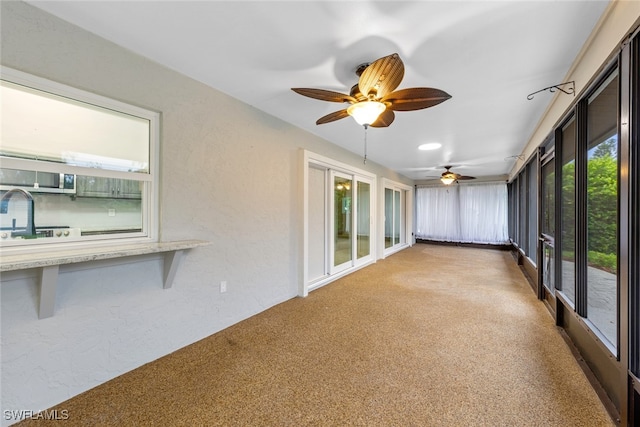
x: 70, y: 256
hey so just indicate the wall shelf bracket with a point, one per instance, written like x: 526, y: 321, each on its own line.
x: 49, y: 264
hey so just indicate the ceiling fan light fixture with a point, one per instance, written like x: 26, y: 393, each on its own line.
x: 366, y: 112
x: 447, y: 179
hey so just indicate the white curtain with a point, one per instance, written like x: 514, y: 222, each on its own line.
x: 465, y: 213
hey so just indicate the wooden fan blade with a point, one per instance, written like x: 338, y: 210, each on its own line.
x: 332, y: 117
x: 463, y: 177
x: 324, y: 95
x: 415, y: 98
x: 385, y: 119
x: 382, y: 76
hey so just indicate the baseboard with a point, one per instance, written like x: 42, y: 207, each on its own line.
x: 505, y: 247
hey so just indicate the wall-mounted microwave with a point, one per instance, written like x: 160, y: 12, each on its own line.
x: 37, y: 182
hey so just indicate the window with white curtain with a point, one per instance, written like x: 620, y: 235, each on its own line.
x: 469, y: 213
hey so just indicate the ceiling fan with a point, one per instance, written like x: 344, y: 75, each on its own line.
x: 449, y: 177
x: 373, y: 100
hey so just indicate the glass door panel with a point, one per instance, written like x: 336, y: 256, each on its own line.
x: 396, y: 217
x: 388, y: 218
x: 602, y: 209
x: 318, y: 223
x: 363, y: 219
x: 342, y: 251
x: 548, y: 198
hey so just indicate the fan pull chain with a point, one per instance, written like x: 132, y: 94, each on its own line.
x: 36, y: 184
x: 365, y: 143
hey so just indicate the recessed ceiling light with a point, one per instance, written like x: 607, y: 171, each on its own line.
x: 430, y: 146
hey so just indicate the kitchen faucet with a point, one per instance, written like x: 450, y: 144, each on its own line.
x: 30, y: 230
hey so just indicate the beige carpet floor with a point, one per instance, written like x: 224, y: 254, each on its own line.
x: 430, y: 336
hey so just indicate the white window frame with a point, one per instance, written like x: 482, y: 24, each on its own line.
x: 150, y: 204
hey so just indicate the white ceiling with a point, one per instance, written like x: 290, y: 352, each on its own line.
x: 487, y: 55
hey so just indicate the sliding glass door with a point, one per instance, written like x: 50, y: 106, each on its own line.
x: 338, y: 211
x: 393, y: 215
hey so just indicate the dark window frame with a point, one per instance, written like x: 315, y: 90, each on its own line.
x: 634, y: 207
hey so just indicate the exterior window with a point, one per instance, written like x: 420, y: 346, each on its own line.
x: 516, y: 210
x: 568, y: 213
x: 523, y: 205
x: 548, y: 198
x: 634, y: 235
x: 76, y: 167
x: 547, y: 190
x: 602, y: 208
x: 532, y: 223
x: 512, y: 209
x: 522, y: 211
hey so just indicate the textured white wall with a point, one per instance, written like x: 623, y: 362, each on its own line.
x: 229, y: 175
